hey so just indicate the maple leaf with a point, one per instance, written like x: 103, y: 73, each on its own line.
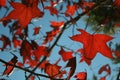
x: 36, y: 30
x: 81, y: 76
x: 105, y: 68
x: 93, y: 43
x: 52, y: 10
x: 72, y: 64
x: 8, y: 70
x: 6, y: 42
x: 17, y: 43
x: 3, y: 3
x: 23, y: 13
x: 86, y: 5
x: 40, y: 51
x: 50, y: 35
x: 56, y: 25
x: 26, y: 50
x: 65, y: 55
x: 32, y: 63
x: 52, y: 69
x: 71, y: 10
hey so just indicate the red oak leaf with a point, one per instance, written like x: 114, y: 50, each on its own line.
x: 56, y: 25
x: 71, y: 10
x: 52, y: 10
x: 23, y: 13
x: 65, y: 55
x: 3, y: 3
x: 52, y: 69
x: 81, y: 76
x: 6, y: 42
x: 105, y: 68
x: 9, y: 68
x: 36, y: 30
x: 93, y: 43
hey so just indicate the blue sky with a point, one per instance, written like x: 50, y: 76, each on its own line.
x: 44, y: 23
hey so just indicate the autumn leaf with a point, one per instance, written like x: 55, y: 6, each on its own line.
x: 40, y: 51
x: 50, y: 35
x: 32, y: 63
x: 52, y: 69
x: 8, y: 70
x: 72, y: 64
x: 23, y: 13
x: 16, y: 42
x: 71, y: 10
x: 86, y: 5
x: 53, y: 11
x: 6, y: 42
x: 36, y: 30
x: 26, y: 50
x: 93, y: 43
x: 56, y: 25
x: 81, y: 76
x: 117, y: 3
x: 105, y: 68
x: 65, y: 55
x: 3, y: 3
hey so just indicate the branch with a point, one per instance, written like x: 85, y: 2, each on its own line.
x: 27, y: 70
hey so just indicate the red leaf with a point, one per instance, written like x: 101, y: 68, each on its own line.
x: 32, y: 77
x: 36, y: 30
x: 56, y: 25
x: 9, y: 68
x: 105, y: 68
x: 40, y: 51
x: 65, y: 55
x: 93, y: 43
x: 28, y: 12
x: 52, y: 69
x: 117, y: 53
x: 3, y: 3
x: 72, y: 64
x: 6, y: 42
x: 32, y: 63
x: 42, y: 66
x: 86, y: 5
x: 52, y: 10
x: 71, y: 10
x: 26, y: 50
x: 117, y: 3
x: 81, y: 76
x: 20, y: 64
x: 50, y: 35
x: 103, y: 78
x: 17, y: 43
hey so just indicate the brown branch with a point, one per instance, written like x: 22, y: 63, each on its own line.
x: 27, y: 70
